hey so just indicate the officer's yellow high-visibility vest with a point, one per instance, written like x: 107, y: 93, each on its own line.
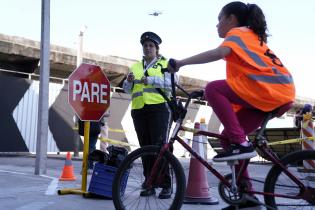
x: 146, y: 94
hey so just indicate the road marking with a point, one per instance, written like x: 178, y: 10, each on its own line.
x: 52, y: 188
x: 35, y: 206
x: 12, y: 172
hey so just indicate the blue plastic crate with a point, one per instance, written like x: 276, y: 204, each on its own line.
x: 102, y: 180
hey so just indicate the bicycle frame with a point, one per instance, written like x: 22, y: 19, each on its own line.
x: 260, y: 144
x: 204, y: 162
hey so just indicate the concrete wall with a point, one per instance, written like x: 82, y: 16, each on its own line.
x: 19, y: 109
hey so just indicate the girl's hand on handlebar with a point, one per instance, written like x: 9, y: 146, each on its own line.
x: 172, y: 66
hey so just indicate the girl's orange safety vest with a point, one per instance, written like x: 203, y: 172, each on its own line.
x: 255, y: 73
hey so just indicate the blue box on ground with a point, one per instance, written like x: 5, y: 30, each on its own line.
x: 102, y: 180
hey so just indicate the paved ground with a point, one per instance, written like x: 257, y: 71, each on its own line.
x: 22, y: 190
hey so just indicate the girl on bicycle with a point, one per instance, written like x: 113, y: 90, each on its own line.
x: 257, y: 81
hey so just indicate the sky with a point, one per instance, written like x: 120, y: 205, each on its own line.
x: 114, y: 27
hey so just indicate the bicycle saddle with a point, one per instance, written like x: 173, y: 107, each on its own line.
x: 278, y: 112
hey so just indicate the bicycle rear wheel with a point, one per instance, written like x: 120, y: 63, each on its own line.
x: 278, y: 182
x: 132, y: 164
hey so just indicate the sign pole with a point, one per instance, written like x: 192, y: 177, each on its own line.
x: 85, y: 154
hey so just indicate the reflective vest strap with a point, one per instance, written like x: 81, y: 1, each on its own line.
x: 145, y: 90
x: 250, y: 54
x: 281, y: 79
x: 137, y: 94
x: 150, y: 90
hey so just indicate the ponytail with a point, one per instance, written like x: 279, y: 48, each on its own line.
x: 249, y: 15
x: 257, y: 22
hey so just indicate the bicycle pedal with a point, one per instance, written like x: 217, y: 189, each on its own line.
x: 252, y: 199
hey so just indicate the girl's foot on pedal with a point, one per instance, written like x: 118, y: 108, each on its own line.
x: 236, y: 152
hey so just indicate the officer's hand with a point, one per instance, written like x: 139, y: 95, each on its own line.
x: 130, y: 77
x: 172, y: 65
x: 144, y: 80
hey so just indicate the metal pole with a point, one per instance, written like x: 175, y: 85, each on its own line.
x: 79, y: 61
x: 80, y: 46
x: 42, y: 123
x: 85, y: 154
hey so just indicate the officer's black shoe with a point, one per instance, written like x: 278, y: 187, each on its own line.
x: 147, y: 192
x: 165, y: 193
x: 143, y: 185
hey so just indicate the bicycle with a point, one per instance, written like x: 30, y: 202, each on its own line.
x: 283, y: 180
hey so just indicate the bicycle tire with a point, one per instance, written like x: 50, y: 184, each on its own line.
x: 278, y: 182
x: 131, y: 198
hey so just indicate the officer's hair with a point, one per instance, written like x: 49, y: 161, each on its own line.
x: 249, y: 15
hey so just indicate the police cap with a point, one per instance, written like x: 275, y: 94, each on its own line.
x: 150, y: 36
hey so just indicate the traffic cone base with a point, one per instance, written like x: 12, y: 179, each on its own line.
x: 197, y: 191
x: 201, y: 201
x: 67, y: 172
x: 197, y: 183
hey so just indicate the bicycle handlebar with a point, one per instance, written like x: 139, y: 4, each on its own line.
x: 172, y: 63
x: 175, y: 105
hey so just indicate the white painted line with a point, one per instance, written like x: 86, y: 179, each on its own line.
x: 52, y: 188
x: 35, y: 205
x: 12, y: 172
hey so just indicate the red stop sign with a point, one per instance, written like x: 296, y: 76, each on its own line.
x: 89, y: 92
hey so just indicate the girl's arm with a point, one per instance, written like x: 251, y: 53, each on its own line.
x: 205, y: 57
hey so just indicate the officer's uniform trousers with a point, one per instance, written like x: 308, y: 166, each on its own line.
x: 152, y: 124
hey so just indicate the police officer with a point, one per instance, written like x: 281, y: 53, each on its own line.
x: 150, y: 112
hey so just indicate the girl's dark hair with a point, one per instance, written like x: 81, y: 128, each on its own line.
x: 249, y: 15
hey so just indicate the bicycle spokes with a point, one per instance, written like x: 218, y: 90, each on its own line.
x: 284, y: 192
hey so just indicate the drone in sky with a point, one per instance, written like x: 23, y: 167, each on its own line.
x: 155, y: 13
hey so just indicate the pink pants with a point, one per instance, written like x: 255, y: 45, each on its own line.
x: 236, y: 125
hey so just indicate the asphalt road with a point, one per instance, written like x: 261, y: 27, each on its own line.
x: 22, y: 190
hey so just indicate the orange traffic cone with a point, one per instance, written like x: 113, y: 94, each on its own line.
x: 197, y: 191
x: 67, y: 172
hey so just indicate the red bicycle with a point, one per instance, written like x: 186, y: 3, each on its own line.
x: 287, y: 185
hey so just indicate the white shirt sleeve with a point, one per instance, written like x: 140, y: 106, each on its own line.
x: 127, y: 86
x: 165, y: 83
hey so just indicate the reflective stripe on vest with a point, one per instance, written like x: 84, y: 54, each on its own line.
x: 277, y: 79
x: 145, y: 90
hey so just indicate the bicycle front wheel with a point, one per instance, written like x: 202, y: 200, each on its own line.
x: 130, y: 198
x: 277, y: 182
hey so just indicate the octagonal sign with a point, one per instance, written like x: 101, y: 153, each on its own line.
x: 89, y: 92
